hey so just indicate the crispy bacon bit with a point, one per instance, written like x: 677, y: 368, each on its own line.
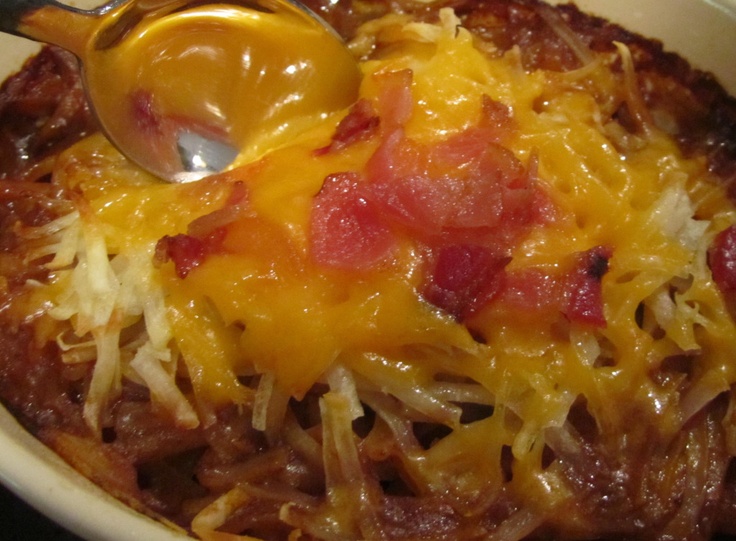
x: 395, y: 101
x: 577, y: 293
x: 497, y: 119
x: 189, y: 251
x: 464, y: 189
x: 467, y: 188
x: 237, y: 202
x: 360, y: 124
x: 346, y: 228
x: 584, y: 300
x: 532, y: 291
x: 464, y: 279
x: 467, y: 199
x: 722, y: 260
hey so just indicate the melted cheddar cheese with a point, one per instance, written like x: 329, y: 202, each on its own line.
x: 253, y: 299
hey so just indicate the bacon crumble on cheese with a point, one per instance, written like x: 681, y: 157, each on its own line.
x: 494, y: 252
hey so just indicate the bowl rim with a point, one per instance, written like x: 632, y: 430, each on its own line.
x: 679, y: 25
x: 40, y: 477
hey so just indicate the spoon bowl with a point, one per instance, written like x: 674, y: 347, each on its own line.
x: 182, y: 86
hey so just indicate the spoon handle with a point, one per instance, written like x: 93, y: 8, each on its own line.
x: 13, y: 11
x: 47, y: 21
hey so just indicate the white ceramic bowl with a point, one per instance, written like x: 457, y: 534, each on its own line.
x: 703, y: 31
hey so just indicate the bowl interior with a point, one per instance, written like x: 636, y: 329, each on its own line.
x: 703, y: 31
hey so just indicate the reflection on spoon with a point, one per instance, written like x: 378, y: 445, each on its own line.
x: 181, y: 86
x: 201, y: 156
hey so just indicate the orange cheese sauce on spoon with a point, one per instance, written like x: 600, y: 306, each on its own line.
x: 181, y: 88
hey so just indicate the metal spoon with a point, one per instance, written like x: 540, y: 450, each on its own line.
x: 182, y: 86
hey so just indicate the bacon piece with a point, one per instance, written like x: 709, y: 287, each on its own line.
x: 395, y: 103
x: 584, y: 298
x: 532, y: 291
x: 400, y: 185
x: 189, y: 251
x: 576, y: 293
x: 497, y: 120
x: 463, y: 189
x: 722, y: 262
x: 464, y: 279
x: 237, y: 202
x: 346, y: 227
x: 466, y: 189
x: 360, y: 124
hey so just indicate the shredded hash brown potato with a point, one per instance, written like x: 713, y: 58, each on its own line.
x: 494, y: 299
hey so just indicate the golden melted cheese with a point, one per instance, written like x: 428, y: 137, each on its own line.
x: 262, y: 306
